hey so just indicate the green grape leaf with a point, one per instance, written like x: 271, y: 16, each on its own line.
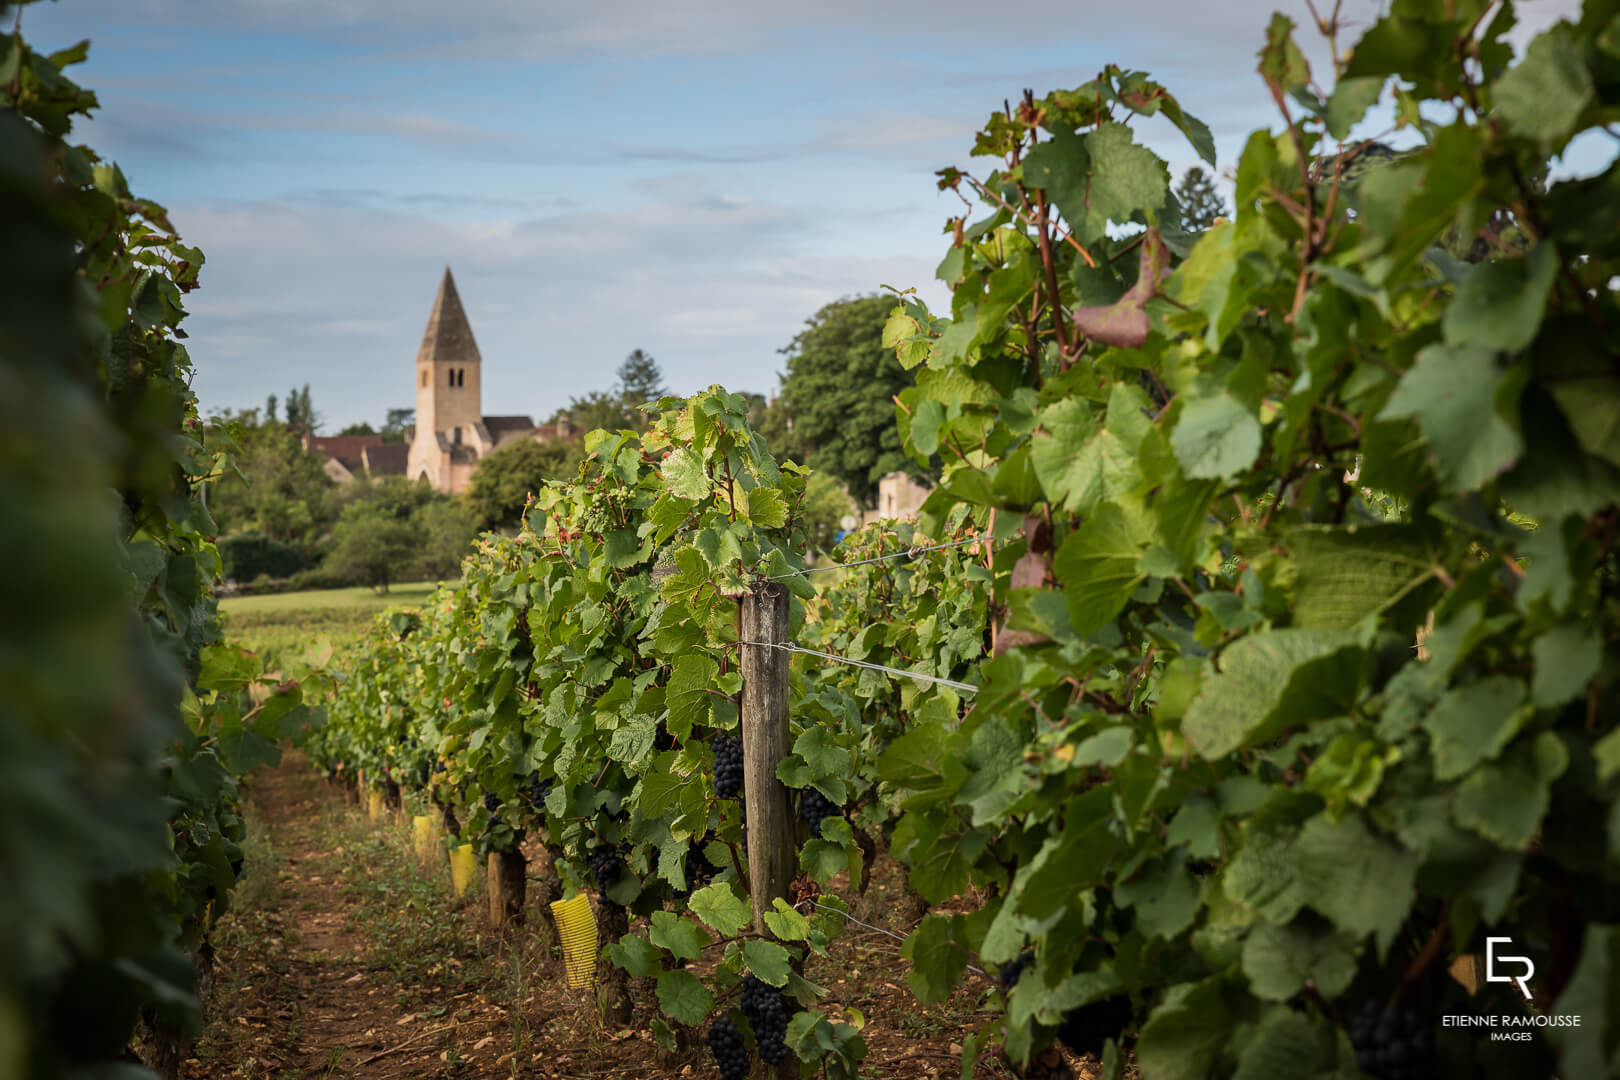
x: 636, y: 955
x: 1470, y: 724
x: 1281, y: 961
x: 767, y: 960
x: 1501, y: 303
x: 1543, y: 95
x: 937, y: 961
x: 720, y: 908
x: 684, y: 475
x: 766, y: 508
x: 1593, y: 994
x: 1185, y: 1033
x: 1349, y: 102
x: 1347, y: 574
x: 1567, y: 658
x: 1216, y: 437
x: 1269, y: 682
x: 1466, y: 402
x: 1362, y: 881
x: 1505, y: 802
x: 1098, y: 566
x: 1097, y: 177
x: 786, y: 923
x: 1080, y: 464
x: 683, y: 998
x: 684, y: 939
x: 1281, y: 62
x: 1165, y: 897
x: 1263, y: 876
x: 1289, y: 1043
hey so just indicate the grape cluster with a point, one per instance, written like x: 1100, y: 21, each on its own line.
x: 813, y: 806
x: 1085, y: 1029
x: 423, y: 774
x: 698, y: 867
x: 1392, y: 1044
x: 492, y: 802
x: 762, y: 1004
x: 725, y: 1042
x: 1014, y: 968
x: 537, y: 794
x: 606, y: 864
x: 662, y: 739
x: 438, y: 766
x: 728, y: 767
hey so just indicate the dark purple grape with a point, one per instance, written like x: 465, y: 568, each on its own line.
x: 725, y: 1042
x: 728, y: 767
x: 767, y: 1014
x: 606, y: 864
x: 1085, y: 1029
x: 1014, y: 968
x: 813, y: 807
x: 1392, y: 1043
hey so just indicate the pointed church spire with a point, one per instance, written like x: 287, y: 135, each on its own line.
x: 449, y: 336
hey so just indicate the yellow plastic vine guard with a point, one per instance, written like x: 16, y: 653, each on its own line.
x: 422, y: 832
x: 374, y: 806
x: 463, y: 867
x: 576, y: 925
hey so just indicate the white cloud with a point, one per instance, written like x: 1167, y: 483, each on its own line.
x: 529, y: 29
x: 337, y: 297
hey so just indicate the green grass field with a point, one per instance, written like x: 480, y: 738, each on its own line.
x: 293, y: 622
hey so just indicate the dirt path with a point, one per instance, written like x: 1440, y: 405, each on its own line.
x: 292, y: 989
x: 347, y: 958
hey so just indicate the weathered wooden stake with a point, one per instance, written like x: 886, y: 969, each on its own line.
x: 507, y: 882
x: 765, y: 743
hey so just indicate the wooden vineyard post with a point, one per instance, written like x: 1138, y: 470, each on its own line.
x: 507, y: 883
x: 765, y: 743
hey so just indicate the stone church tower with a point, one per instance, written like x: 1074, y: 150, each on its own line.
x: 451, y: 431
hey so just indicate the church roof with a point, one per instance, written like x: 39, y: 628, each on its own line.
x: 499, y: 424
x: 386, y: 460
x: 341, y: 447
x: 449, y: 336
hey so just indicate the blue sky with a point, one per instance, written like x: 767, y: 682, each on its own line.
x: 692, y: 179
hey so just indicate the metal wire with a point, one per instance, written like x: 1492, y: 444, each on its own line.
x: 909, y: 553
x: 876, y: 929
x: 788, y: 646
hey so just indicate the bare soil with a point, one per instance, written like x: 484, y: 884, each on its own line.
x: 348, y: 958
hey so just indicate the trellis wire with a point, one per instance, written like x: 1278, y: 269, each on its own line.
x: 909, y: 553
x: 966, y: 688
x: 875, y: 929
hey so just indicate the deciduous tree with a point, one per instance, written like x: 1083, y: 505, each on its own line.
x: 839, y: 390
x: 503, y: 480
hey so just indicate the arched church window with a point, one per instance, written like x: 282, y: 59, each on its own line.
x: 461, y: 376
x: 424, y: 376
x: 452, y: 377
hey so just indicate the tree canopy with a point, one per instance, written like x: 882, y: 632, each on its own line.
x: 282, y: 492
x: 372, y: 545
x: 503, y: 480
x: 838, y: 393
